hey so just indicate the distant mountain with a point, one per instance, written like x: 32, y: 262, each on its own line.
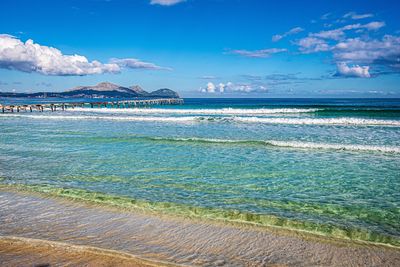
x: 101, y: 90
x: 165, y: 92
x: 139, y: 90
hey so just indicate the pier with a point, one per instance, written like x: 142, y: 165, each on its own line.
x: 98, y: 104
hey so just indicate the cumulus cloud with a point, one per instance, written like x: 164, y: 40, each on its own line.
x: 231, y: 87
x: 166, y: 2
x: 355, y: 16
x: 210, y: 88
x: 295, y: 30
x: 353, y: 44
x: 263, y: 53
x: 32, y: 57
x: 384, y: 52
x: 221, y: 87
x: 354, y: 71
x: 322, y: 41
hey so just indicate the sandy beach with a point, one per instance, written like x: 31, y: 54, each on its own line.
x: 17, y: 251
x: 111, y: 237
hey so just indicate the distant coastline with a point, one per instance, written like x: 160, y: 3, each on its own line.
x: 101, y: 90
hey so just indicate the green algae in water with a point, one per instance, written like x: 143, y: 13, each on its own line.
x: 234, y: 216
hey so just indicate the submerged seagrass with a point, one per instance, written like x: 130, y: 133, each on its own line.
x: 117, y: 233
x: 233, y: 216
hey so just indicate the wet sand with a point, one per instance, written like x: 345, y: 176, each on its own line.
x: 162, y: 238
x: 33, y: 252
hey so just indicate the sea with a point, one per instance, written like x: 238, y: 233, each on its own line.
x: 328, y: 167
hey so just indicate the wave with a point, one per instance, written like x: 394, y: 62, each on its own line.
x: 289, y: 121
x: 288, y: 144
x: 319, y: 121
x: 216, y: 214
x: 220, y: 111
x: 111, y: 118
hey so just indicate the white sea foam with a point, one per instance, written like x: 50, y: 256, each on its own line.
x: 277, y: 143
x: 112, y: 118
x: 238, y: 119
x: 221, y: 111
x: 291, y: 144
x: 352, y: 147
x: 319, y: 121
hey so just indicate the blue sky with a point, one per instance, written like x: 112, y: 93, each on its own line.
x: 204, y: 48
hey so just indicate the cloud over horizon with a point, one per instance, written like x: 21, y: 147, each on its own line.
x: 354, y: 71
x: 231, y: 87
x: 32, y: 57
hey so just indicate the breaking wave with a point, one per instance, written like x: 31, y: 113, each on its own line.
x: 220, y: 111
x: 288, y: 144
x: 263, y: 120
x: 223, y: 215
x: 319, y: 121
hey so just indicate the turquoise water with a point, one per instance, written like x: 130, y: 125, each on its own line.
x: 326, y: 166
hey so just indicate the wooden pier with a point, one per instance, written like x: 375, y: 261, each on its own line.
x: 110, y: 104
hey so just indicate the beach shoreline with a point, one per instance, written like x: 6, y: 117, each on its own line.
x: 171, y: 211
x: 174, y: 240
x: 17, y: 251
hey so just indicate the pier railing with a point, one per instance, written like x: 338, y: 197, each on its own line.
x: 98, y: 104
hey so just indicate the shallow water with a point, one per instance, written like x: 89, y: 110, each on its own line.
x: 163, y: 238
x: 329, y: 167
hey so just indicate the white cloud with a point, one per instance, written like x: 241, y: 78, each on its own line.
x: 263, y: 53
x: 166, y: 2
x: 322, y: 41
x: 385, y: 51
x: 337, y: 34
x: 354, y: 15
x: 355, y: 71
x: 375, y: 25
x: 32, y: 57
x: 295, y: 30
x: 312, y: 45
x: 221, y: 87
x: 134, y: 63
x: 210, y: 88
x: 208, y: 77
x: 363, y: 50
x: 231, y: 87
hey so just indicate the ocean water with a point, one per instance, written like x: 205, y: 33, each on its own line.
x: 326, y: 166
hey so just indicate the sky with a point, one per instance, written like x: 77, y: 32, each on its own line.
x: 204, y: 48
